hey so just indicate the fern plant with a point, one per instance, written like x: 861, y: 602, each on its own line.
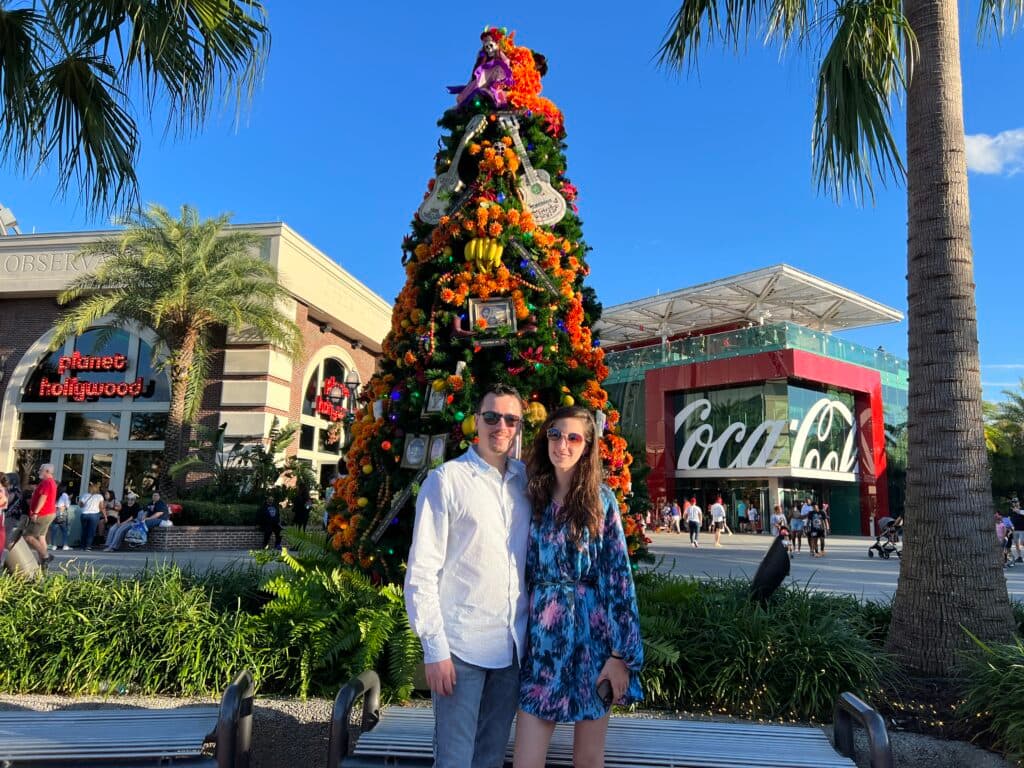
x: 333, y: 623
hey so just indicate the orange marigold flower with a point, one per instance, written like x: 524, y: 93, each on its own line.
x: 474, y: 148
x: 494, y: 229
x: 447, y: 295
x: 506, y: 140
x: 481, y: 323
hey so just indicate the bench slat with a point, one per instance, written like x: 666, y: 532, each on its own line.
x: 110, y: 733
x: 406, y: 734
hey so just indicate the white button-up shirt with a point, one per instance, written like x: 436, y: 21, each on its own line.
x: 465, y: 587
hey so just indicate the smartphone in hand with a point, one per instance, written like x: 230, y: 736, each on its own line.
x: 604, y: 692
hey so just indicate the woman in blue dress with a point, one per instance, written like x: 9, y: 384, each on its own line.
x: 584, y: 627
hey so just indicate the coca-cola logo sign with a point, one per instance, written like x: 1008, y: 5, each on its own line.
x: 760, y: 448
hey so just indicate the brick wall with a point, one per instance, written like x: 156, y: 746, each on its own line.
x: 203, y: 537
x: 22, y: 322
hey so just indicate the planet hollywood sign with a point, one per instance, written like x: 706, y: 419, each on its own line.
x: 760, y: 447
x: 75, y: 389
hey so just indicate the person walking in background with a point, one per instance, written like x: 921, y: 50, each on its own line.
x: 91, y: 508
x: 60, y: 519
x: 1003, y: 537
x: 4, y: 500
x: 694, y: 518
x: 301, y: 504
x: 741, y: 515
x: 754, y: 517
x: 828, y: 527
x: 465, y: 586
x: 676, y: 515
x: 778, y: 520
x: 584, y: 625
x: 796, y: 530
x: 815, y: 528
x: 42, y: 508
x: 1017, y: 521
x: 270, y: 522
x: 717, y: 520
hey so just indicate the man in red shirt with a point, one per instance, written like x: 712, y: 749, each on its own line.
x: 41, y: 511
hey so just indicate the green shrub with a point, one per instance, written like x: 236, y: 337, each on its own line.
x: 202, y: 512
x: 333, y: 623
x: 709, y: 648
x: 151, y: 634
x: 994, y: 694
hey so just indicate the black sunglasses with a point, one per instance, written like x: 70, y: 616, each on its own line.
x: 572, y: 438
x: 493, y: 417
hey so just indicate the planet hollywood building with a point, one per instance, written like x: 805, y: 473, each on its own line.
x: 97, y: 406
x: 740, y: 388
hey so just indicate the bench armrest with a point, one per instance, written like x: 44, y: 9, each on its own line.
x: 234, y: 723
x: 849, y: 707
x: 367, y: 685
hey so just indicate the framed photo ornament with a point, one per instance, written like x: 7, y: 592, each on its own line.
x: 414, y: 456
x: 436, y: 451
x: 433, y: 401
x: 489, y: 316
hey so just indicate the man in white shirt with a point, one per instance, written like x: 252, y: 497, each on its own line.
x: 694, y: 518
x: 717, y: 520
x: 465, y: 588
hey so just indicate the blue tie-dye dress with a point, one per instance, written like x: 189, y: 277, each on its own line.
x: 582, y: 607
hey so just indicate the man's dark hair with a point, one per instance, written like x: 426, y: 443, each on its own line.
x: 498, y: 390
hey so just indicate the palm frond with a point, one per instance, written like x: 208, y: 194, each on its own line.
x: 19, y: 136
x: 90, y: 133
x: 995, y: 16
x: 866, y: 66
x: 198, y: 375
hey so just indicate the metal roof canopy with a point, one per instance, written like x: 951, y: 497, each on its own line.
x: 770, y: 295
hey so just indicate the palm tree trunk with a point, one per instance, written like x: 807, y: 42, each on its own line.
x: 174, y: 437
x: 951, y: 573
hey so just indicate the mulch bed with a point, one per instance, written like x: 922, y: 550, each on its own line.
x: 929, y: 706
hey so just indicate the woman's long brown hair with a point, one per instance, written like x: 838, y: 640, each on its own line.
x: 582, y: 509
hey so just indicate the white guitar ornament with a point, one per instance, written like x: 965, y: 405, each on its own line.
x: 540, y: 198
x: 438, y: 202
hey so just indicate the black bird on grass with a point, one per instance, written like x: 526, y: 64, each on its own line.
x: 772, y: 571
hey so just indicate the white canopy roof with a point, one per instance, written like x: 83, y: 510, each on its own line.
x: 770, y: 295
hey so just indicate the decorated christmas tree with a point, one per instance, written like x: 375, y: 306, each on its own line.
x: 495, y: 266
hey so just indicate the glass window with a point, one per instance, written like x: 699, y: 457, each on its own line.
x: 46, y: 370
x: 156, y: 385
x: 28, y: 461
x: 37, y: 426
x: 99, y: 470
x: 92, y: 425
x: 104, y: 342
x: 312, y: 390
x: 330, y: 438
x: 71, y: 473
x: 333, y: 367
x: 141, y: 471
x: 307, y: 437
x: 148, y: 426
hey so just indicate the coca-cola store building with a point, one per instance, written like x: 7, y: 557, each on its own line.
x: 741, y: 388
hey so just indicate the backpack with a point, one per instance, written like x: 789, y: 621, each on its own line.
x: 137, y: 535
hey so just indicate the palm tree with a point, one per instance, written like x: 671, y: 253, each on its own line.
x: 950, y: 577
x: 185, y: 279
x: 68, y: 69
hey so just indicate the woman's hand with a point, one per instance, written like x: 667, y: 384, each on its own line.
x: 615, y: 672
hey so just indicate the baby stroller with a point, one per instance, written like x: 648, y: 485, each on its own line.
x: 887, y: 541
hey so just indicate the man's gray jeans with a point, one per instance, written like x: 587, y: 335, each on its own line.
x: 471, y: 726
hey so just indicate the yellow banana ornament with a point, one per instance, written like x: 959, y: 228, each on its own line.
x: 484, y: 253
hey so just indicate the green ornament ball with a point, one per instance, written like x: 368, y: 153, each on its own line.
x: 415, y: 396
x: 459, y: 415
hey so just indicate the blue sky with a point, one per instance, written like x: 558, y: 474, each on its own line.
x: 683, y: 179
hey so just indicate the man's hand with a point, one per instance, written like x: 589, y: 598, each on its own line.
x: 441, y: 677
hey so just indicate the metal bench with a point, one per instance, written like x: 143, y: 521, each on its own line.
x: 403, y: 736
x: 133, y: 738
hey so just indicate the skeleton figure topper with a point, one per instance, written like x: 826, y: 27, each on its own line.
x: 492, y: 73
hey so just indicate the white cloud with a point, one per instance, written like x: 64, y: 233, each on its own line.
x: 1005, y: 366
x: 999, y: 383
x: 1002, y: 153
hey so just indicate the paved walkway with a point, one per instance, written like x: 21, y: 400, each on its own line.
x: 845, y: 568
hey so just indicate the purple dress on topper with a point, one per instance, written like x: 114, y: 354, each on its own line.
x: 492, y: 74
